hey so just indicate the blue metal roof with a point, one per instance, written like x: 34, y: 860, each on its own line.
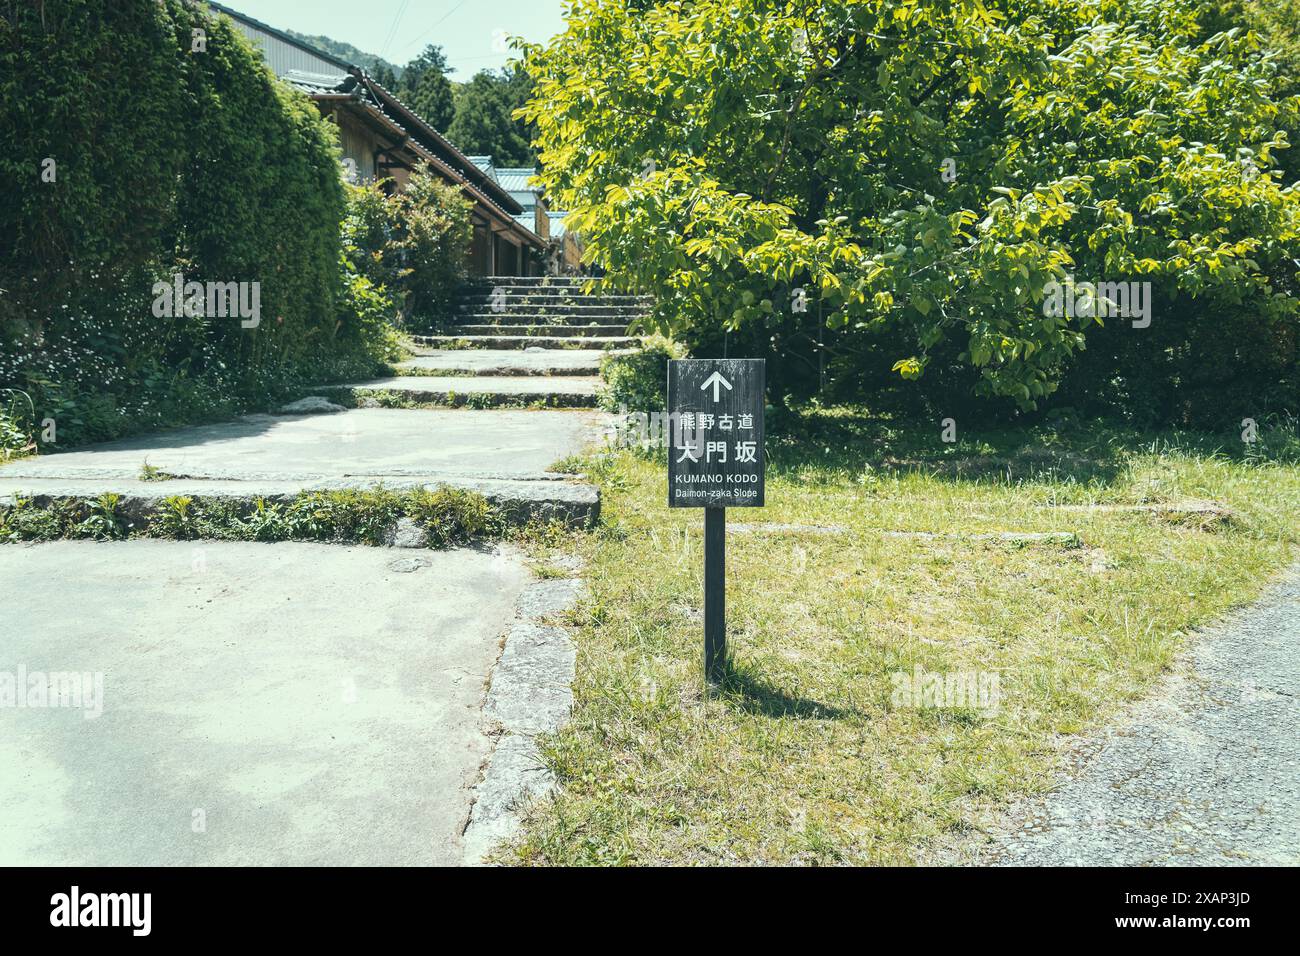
x: 516, y: 180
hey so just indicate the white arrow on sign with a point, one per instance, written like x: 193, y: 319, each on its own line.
x: 718, y: 383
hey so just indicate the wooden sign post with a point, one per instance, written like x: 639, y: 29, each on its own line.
x: 715, y: 462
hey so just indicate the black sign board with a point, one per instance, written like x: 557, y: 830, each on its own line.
x: 715, y: 453
x: 715, y: 462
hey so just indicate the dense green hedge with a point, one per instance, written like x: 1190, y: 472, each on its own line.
x: 169, y: 159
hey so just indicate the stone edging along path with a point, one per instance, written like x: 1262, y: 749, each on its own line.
x: 531, y: 693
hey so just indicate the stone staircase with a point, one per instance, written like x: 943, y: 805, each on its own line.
x: 522, y: 341
x: 550, y: 312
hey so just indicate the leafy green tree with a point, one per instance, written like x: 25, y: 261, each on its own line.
x: 485, y: 122
x: 923, y: 171
x: 430, y: 58
x: 385, y: 77
x: 425, y: 88
x: 1278, y: 24
x: 432, y: 99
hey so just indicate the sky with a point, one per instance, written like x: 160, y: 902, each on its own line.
x: 470, y: 32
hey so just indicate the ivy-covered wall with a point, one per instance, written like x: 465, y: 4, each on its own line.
x: 133, y: 149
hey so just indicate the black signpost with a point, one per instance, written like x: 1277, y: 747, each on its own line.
x: 715, y: 462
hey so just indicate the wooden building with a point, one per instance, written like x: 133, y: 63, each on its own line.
x: 381, y: 138
x: 564, y: 251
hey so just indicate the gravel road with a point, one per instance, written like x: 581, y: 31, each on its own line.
x: 1205, y: 772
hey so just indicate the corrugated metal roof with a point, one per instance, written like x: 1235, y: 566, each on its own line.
x: 516, y: 180
x: 283, y: 52
x: 557, y: 224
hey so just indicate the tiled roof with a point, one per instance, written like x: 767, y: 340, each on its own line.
x: 356, y: 82
x: 320, y: 82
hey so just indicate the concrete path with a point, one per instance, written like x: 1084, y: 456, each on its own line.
x: 1204, y: 773
x: 299, y: 703
x: 495, y: 362
x: 361, y: 441
x: 502, y: 454
x: 261, y: 704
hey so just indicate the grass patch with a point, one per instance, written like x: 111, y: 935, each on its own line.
x: 150, y: 472
x: 806, y: 754
x: 400, y: 398
x: 450, y: 516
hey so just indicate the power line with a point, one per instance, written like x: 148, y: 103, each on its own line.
x: 436, y: 23
x: 392, y: 31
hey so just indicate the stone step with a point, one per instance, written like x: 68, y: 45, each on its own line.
x: 543, y: 329
x: 562, y: 295
x: 475, y: 391
x: 523, y: 342
x: 531, y: 362
x: 542, y: 318
x: 519, y: 307
x: 545, y: 288
x: 577, y: 303
x: 533, y: 280
x: 501, y: 453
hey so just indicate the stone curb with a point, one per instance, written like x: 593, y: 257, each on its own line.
x: 531, y: 693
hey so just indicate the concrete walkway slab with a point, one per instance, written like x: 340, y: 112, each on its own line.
x: 501, y: 454
x: 261, y: 704
x: 363, y: 441
x: 493, y: 362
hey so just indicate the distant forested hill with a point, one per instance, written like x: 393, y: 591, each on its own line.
x: 369, y: 61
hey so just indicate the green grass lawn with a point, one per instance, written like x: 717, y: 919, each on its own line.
x: 804, y: 756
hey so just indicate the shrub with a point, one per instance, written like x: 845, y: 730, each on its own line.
x: 175, y: 519
x: 452, y: 515
x: 369, y: 230
x: 370, y: 310
x: 24, y: 521
x: 411, y: 245
x: 103, y: 520
x: 638, y: 381
x: 432, y: 245
x: 16, y: 425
